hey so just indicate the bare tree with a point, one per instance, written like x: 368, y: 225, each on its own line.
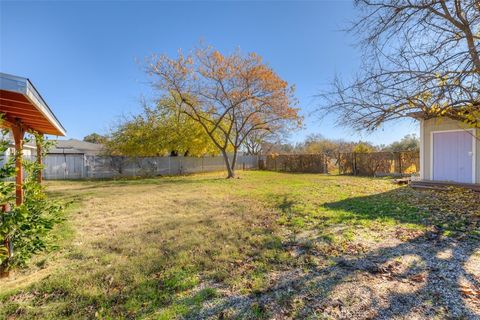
x: 262, y: 141
x: 231, y: 96
x: 421, y: 59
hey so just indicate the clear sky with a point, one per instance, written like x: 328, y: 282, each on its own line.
x: 85, y: 57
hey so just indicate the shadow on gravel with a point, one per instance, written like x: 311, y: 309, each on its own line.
x: 440, y: 293
x: 438, y: 279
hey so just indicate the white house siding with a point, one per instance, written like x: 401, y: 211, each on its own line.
x: 443, y: 124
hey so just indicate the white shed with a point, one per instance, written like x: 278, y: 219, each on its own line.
x: 449, y: 152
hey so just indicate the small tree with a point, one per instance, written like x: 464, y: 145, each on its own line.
x: 95, y: 138
x: 262, y: 141
x: 408, y: 143
x: 363, y: 147
x: 159, y: 131
x: 230, y: 96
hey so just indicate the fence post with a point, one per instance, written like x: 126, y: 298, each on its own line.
x: 354, y: 164
x: 83, y: 166
x: 91, y: 171
x: 325, y: 163
x: 134, y: 167
x: 400, y: 163
x: 65, y: 168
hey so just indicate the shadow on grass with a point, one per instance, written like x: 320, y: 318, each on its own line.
x: 310, y: 290
x: 453, y: 211
x: 438, y: 274
x: 395, y: 204
x: 440, y: 285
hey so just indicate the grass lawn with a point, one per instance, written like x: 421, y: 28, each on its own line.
x: 267, y: 245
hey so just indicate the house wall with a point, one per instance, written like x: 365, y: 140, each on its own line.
x: 443, y: 124
x: 27, y: 152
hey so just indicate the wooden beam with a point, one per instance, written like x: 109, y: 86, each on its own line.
x: 9, y: 122
x: 18, y: 132
x: 39, y: 158
x: 26, y: 102
x: 9, y: 95
x: 17, y: 104
x: 31, y: 112
x: 5, y: 123
x: 46, y: 128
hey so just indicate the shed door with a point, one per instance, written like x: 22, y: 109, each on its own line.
x: 453, y: 156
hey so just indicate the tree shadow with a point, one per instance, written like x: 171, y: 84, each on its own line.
x: 452, y: 210
x: 439, y: 293
x: 435, y: 283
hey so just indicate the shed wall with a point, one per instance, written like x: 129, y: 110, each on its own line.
x: 443, y: 124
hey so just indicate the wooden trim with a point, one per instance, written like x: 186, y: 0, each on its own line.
x: 18, y: 132
x: 39, y: 159
x: 422, y: 149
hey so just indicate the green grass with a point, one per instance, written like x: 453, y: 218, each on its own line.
x: 159, y: 248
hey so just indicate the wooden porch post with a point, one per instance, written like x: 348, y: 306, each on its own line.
x: 18, y: 135
x: 39, y: 158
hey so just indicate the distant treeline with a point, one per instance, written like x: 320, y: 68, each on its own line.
x: 317, y: 144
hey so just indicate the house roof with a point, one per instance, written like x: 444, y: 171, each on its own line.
x: 76, y: 146
x: 20, y: 101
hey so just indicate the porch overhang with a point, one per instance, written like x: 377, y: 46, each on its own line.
x: 20, y: 103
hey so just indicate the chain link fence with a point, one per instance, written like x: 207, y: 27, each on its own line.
x: 79, y: 166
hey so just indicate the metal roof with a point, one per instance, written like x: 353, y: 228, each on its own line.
x: 20, y: 101
x: 76, y: 146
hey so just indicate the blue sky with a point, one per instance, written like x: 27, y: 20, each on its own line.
x: 85, y: 57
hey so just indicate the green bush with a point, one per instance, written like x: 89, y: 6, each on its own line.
x: 27, y: 226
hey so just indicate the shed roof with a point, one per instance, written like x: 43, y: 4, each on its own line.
x: 76, y: 146
x: 20, y: 101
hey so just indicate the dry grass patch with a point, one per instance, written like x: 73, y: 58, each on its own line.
x: 266, y: 245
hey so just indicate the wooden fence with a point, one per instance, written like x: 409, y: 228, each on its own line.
x: 379, y: 163
x: 313, y: 163
x: 362, y: 164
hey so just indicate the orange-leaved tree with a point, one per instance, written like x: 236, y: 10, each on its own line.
x: 232, y: 96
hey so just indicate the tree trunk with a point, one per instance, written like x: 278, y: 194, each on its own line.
x: 230, y: 168
x: 234, y: 160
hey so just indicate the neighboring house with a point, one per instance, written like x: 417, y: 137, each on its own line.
x: 29, y: 148
x: 70, y: 158
x: 449, y: 151
x: 74, y: 146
